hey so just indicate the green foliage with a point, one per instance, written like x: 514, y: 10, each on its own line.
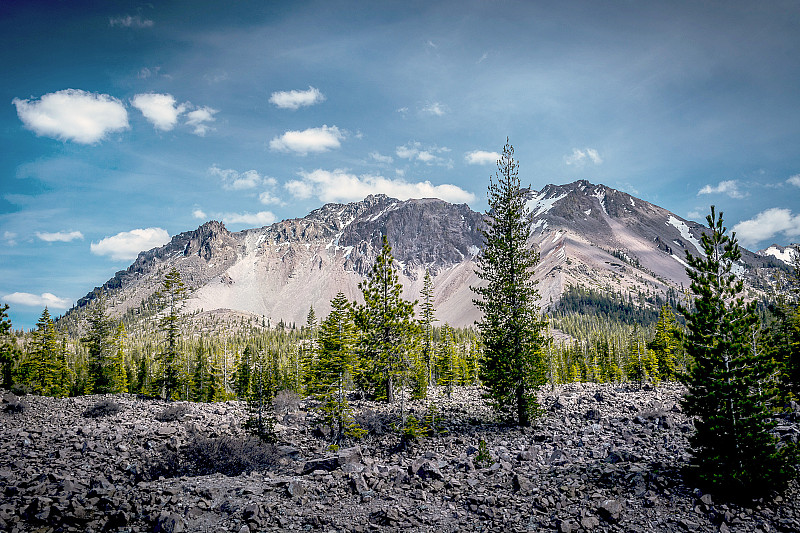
x: 511, y: 327
x: 446, y: 360
x: 119, y: 375
x: 667, y: 345
x: 260, y: 421
x: 483, y: 458
x: 427, y: 319
x: 386, y: 328
x: 100, y: 346
x: 730, y: 385
x: 8, y: 350
x: 172, y: 296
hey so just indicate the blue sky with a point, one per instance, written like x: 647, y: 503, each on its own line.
x: 125, y: 123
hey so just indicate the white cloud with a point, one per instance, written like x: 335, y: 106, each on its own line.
x: 414, y: 151
x: 60, y: 236
x: 73, y: 115
x: 581, y: 157
x: 199, y: 213
x: 767, y: 225
x: 794, y: 180
x: 46, y: 299
x: 267, y: 198
x: 199, y: 118
x: 729, y: 187
x: 10, y: 237
x: 130, y: 22
x: 126, y: 245
x: 435, y: 109
x: 481, y: 157
x: 341, y: 186
x: 696, y: 215
x: 380, y: 158
x: 159, y: 109
x: 297, y: 99
x: 262, y: 218
x: 233, y: 180
x: 310, y: 140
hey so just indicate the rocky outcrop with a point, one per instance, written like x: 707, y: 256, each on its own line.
x: 600, y: 458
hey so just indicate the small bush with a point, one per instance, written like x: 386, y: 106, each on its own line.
x: 173, y: 413
x: 102, y: 408
x: 21, y: 389
x: 374, y: 423
x: 202, y: 456
x: 286, y: 401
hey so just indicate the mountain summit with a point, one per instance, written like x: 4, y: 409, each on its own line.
x: 589, y: 235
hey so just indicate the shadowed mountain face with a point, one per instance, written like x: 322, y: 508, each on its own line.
x: 587, y: 234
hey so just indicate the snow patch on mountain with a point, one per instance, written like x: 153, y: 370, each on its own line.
x: 685, y: 233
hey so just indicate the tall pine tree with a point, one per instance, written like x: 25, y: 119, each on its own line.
x: 100, y: 346
x: 427, y: 319
x: 172, y: 296
x: 728, y: 390
x: 8, y: 349
x: 385, y: 322
x: 511, y: 326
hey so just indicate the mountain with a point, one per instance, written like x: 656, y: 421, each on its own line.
x: 587, y: 234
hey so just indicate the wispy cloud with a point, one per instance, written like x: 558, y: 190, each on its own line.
x: 60, y: 236
x: 582, y: 157
x: 311, y: 140
x: 380, y: 158
x: 297, y: 99
x: 125, y: 246
x: 262, y: 218
x: 73, y: 115
x: 46, y: 299
x: 199, y: 119
x: 766, y: 225
x: 481, y: 157
x: 729, y: 187
x: 794, y: 180
x: 10, y: 237
x: 129, y: 21
x: 341, y: 186
x: 414, y: 151
x: 435, y: 109
x: 160, y: 109
x: 233, y: 180
x: 199, y: 213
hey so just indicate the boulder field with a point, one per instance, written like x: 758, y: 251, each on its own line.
x: 601, y: 457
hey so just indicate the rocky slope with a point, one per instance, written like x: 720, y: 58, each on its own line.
x: 601, y: 458
x: 587, y: 234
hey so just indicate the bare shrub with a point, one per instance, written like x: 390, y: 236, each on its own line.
x: 173, y: 413
x: 285, y: 402
x: 102, y: 408
x: 21, y: 389
x: 230, y: 456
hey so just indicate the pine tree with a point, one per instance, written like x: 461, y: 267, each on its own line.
x: 172, y: 296
x: 8, y: 349
x: 119, y: 372
x: 243, y: 372
x: 427, y: 319
x: 728, y: 389
x: 511, y: 326
x: 385, y: 322
x: 99, y: 343
x: 666, y: 343
x: 446, y: 359
x: 335, y: 367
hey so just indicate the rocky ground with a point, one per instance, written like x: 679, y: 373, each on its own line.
x: 601, y: 458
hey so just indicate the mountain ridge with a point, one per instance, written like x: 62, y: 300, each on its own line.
x: 586, y: 234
